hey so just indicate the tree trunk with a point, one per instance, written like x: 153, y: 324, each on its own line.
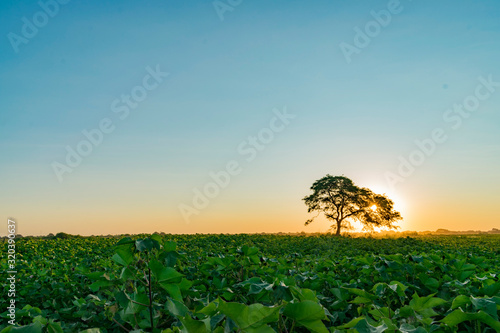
x: 338, y: 228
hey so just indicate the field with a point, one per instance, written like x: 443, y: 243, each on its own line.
x: 255, y: 283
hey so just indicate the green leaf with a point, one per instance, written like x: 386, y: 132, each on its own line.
x: 124, y: 241
x: 124, y: 255
x: 308, y: 314
x: 98, y: 284
x: 41, y: 320
x: 352, y: 323
x: 260, y: 329
x: 173, y: 290
x: 304, y: 294
x: 138, y: 302
x: 53, y: 327
x: 36, y: 327
x: 195, y: 326
x: 379, y: 313
x: 458, y: 316
x: 127, y: 274
x: 209, y: 310
x: 164, y: 274
x: 432, y: 283
x: 157, y: 238
x: 171, y: 258
x: 490, y: 290
x: 259, y: 287
x: 248, y: 318
x: 380, y: 289
x: 419, y: 304
x: 122, y: 299
x: 361, y: 300
x: 177, y: 308
x: 95, y: 275
x: 390, y: 324
x: 465, y: 274
x: 364, y: 327
x: 459, y: 301
x: 144, y: 244
x: 398, y: 287
x: 406, y: 311
x: 407, y: 328
x: 185, y: 285
x: 169, y: 246
x: 314, y: 326
x: 362, y: 293
x: 305, y: 310
x: 485, y: 304
x: 249, y: 251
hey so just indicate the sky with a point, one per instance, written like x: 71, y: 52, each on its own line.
x: 217, y: 116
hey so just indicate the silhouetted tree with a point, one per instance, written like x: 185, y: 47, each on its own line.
x: 343, y: 202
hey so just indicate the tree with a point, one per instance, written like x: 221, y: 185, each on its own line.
x: 343, y: 202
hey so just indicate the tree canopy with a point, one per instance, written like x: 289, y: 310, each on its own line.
x: 343, y: 202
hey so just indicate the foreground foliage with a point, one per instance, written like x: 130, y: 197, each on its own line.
x: 257, y: 283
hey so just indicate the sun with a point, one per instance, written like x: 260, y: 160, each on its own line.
x: 399, y: 203
x: 393, y: 195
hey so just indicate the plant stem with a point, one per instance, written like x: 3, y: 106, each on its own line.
x: 117, y: 323
x: 284, y: 324
x: 150, y: 300
x: 139, y: 303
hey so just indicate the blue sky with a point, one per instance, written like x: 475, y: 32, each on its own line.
x: 225, y: 78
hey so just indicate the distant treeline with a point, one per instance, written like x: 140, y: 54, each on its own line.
x: 384, y: 233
